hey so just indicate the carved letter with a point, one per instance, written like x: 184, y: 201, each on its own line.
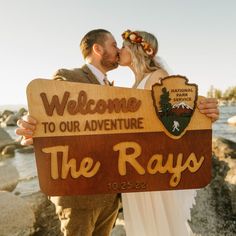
x: 49, y: 108
x: 54, y: 162
x: 130, y: 158
x: 86, y: 165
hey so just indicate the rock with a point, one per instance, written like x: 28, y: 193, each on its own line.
x: 223, y: 148
x: 9, y: 177
x: 6, y: 113
x: 17, y: 217
x: 7, y: 144
x: 119, y: 229
x: 26, y: 149
x: 5, y: 138
x: 232, y: 120
x: 212, y: 213
x: 8, y: 151
x: 21, y: 112
x: 10, y: 120
x: 47, y: 222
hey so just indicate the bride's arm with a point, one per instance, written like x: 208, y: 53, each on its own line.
x: 155, y: 77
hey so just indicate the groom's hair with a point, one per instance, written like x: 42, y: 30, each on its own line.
x: 94, y: 36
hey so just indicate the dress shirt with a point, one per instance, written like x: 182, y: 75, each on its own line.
x: 99, y: 75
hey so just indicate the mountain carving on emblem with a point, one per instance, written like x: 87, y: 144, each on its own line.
x: 182, y: 105
x: 182, y: 109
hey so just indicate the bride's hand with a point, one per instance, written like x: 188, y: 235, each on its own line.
x: 26, y: 127
x: 209, y: 107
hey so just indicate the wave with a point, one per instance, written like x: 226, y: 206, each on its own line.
x: 28, y: 178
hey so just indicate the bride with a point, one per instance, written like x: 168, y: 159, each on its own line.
x: 163, y: 213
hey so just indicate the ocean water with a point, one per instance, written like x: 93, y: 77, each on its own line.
x: 221, y: 128
x: 26, y: 166
x: 25, y: 163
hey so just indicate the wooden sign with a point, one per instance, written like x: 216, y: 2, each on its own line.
x: 100, y: 139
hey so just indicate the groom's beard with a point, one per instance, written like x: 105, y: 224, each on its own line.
x: 109, y: 62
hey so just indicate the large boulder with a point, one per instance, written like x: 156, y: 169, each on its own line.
x: 214, y: 212
x: 47, y: 222
x: 10, y: 120
x: 21, y: 112
x: 6, y: 113
x: 5, y: 138
x: 9, y: 177
x: 223, y: 148
x: 8, y: 150
x: 17, y: 217
x: 7, y: 144
x: 25, y: 149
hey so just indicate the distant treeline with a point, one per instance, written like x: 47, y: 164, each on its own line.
x: 228, y: 94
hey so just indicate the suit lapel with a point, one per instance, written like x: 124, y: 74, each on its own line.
x: 91, y: 77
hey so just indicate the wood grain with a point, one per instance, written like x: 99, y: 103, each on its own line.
x: 98, y: 139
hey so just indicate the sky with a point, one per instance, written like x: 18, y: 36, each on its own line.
x: 197, y: 39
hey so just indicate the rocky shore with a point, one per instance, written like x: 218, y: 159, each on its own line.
x: 214, y: 212
x: 27, y: 215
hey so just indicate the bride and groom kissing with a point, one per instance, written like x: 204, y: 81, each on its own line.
x: 145, y: 213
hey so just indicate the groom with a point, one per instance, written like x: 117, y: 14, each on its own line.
x: 88, y: 215
x: 85, y: 215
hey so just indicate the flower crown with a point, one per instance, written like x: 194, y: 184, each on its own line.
x: 134, y: 37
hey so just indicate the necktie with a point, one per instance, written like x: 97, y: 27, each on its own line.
x: 107, y: 82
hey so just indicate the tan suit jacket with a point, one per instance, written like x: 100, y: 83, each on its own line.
x: 82, y: 75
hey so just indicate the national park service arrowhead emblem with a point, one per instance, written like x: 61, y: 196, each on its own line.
x: 174, y: 100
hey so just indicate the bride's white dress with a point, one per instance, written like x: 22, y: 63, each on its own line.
x: 157, y: 213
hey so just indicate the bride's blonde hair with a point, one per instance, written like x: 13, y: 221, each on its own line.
x: 143, y: 47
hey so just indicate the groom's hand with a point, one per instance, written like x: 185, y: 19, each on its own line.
x: 27, y: 125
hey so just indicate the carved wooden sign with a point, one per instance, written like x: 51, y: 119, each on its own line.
x: 100, y: 139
